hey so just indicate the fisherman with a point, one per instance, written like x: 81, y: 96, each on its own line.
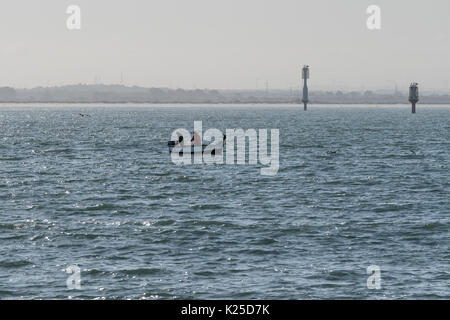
x: 196, y: 139
x: 179, y: 139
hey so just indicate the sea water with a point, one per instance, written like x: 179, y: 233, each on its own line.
x: 357, y: 186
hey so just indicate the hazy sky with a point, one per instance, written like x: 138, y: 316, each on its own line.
x: 226, y: 43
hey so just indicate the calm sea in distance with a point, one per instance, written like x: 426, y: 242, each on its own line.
x: 357, y: 186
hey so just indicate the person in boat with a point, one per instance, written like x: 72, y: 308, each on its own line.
x: 179, y: 139
x: 196, y: 140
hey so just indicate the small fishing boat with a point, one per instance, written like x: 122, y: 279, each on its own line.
x: 215, y: 148
x: 195, y: 146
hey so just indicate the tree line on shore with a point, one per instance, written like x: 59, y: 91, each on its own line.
x: 124, y: 94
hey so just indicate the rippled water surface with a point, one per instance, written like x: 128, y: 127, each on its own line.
x: 357, y: 186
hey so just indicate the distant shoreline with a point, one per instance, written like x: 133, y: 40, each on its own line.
x: 120, y: 94
x: 204, y: 104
